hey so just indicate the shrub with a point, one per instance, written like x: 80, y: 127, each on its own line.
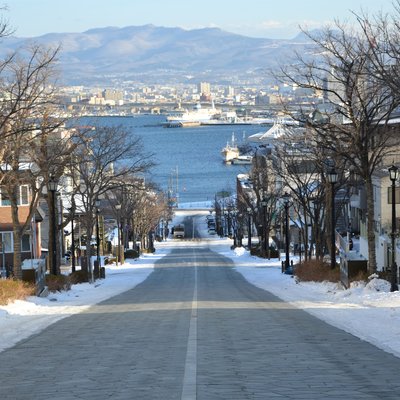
x: 259, y: 252
x: 58, y: 283
x: 273, y: 253
x: 362, y: 276
x: 78, y: 277
x: 13, y: 289
x: 110, y: 260
x: 316, y: 271
x: 130, y: 253
x: 254, y: 251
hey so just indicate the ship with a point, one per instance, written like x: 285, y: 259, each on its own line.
x: 181, y: 117
x: 230, y: 151
x: 236, y: 154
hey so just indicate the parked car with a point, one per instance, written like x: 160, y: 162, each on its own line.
x: 179, y: 231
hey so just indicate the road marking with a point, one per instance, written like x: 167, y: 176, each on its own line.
x: 190, y: 374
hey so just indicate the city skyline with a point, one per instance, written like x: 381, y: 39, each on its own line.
x: 259, y: 18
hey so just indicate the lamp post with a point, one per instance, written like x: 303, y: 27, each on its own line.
x: 332, y: 177
x: 264, y: 231
x: 97, y: 235
x: 234, y: 226
x: 286, y: 202
x: 73, y: 261
x: 393, y: 175
x: 240, y: 230
x: 225, y: 224
x: 52, y: 185
x: 118, y: 208
x: 229, y: 221
x: 249, y: 228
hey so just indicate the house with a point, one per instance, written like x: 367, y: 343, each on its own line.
x: 31, y: 240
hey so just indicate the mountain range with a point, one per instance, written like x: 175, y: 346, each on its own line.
x: 157, y: 52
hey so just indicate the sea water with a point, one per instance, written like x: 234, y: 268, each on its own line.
x: 188, y: 160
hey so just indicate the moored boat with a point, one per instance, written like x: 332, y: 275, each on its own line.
x: 242, y: 160
x: 230, y: 151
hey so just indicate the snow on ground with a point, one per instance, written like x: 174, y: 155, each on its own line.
x: 369, y: 312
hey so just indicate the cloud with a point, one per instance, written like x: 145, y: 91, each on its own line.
x: 277, y: 29
x: 270, y: 24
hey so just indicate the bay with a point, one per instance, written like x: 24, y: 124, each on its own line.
x: 187, y: 159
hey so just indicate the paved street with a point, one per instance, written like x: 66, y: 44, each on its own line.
x: 195, y: 329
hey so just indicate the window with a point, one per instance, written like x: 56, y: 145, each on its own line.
x: 23, y: 195
x: 25, y: 243
x: 396, y: 195
x: 7, y: 242
x: 5, y: 198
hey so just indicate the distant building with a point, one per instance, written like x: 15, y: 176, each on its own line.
x: 261, y: 100
x: 230, y: 92
x: 114, y: 95
x: 205, y: 97
x: 204, y: 88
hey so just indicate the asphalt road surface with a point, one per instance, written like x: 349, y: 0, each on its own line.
x: 195, y: 329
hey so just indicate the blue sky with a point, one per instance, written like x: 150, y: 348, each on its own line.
x: 257, y: 18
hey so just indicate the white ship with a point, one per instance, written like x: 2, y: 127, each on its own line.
x: 184, y: 117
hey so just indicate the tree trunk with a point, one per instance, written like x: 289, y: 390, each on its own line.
x: 370, y: 226
x: 89, y: 232
x: 52, y: 234
x: 17, y: 270
x: 17, y: 259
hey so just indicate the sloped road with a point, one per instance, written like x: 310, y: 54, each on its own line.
x: 195, y: 329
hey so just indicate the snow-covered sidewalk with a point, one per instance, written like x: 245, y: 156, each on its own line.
x: 369, y: 312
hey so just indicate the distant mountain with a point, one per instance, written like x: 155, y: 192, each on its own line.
x: 143, y: 50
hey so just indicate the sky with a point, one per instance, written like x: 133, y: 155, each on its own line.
x: 256, y: 18
x: 370, y: 312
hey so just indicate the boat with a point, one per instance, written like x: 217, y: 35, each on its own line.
x: 242, y: 160
x: 224, y: 118
x: 230, y: 151
x: 182, y: 124
x: 181, y: 117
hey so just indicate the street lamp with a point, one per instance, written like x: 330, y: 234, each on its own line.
x: 118, y: 208
x: 234, y: 226
x: 226, y: 233
x: 264, y: 204
x: 229, y: 221
x: 249, y: 228
x: 240, y: 230
x: 286, y: 202
x: 332, y: 177
x: 98, y: 235
x: 53, y: 185
x: 393, y: 175
x: 72, y: 210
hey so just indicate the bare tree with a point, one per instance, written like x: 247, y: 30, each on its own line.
x: 104, y: 157
x: 26, y: 94
x: 146, y: 207
x: 300, y: 168
x: 357, y: 105
x: 267, y: 194
x: 5, y: 27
